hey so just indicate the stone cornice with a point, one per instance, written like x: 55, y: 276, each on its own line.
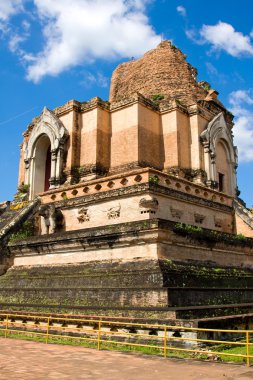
x: 136, y: 98
x: 134, y: 178
x: 72, y: 105
x: 140, y: 189
x: 158, y: 230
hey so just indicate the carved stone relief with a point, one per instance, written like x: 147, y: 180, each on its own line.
x: 198, y: 218
x: 83, y: 215
x: 176, y: 213
x: 218, y: 222
x: 148, y: 205
x: 114, y: 212
x: 52, y: 218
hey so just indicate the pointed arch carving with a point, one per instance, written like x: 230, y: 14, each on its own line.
x: 217, y: 132
x: 50, y: 126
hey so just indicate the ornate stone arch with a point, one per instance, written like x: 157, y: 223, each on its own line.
x: 47, y: 125
x: 216, y: 132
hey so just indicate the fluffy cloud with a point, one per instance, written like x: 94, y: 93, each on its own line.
x: 241, y: 102
x: 90, y: 79
x: 181, y: 10
x: 9, y: 7
x: 82, y: 31
x: 223, y: 36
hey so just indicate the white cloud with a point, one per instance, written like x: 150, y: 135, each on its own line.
x: 17, y: 38
x: 192, y: 34
x: 82, y: 31
x: 98, y: 80
x: 211, y: 69
x: 215, y: 75
x: 14, y: 42
x: 241, y: 102
x: 9, y: 7
x: 181, y: 10
x: 26, y: 25
x: 241, y: 96
x: 223, y: 36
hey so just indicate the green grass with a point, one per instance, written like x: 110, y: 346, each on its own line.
x: 239, y: 350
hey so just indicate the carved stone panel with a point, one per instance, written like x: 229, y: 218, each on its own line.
x: 114, y: 212
x: 198, y: 218
x: 83, y: 215
x: 148, y: 205
x: 176, y: 213
x: 218, y: 222
x: 52, y: 218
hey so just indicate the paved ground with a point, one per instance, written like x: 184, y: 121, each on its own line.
x: 22, y: 360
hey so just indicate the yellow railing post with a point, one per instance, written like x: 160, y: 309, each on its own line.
x: 247, y: 349
x: 165, y: 342
x: 48, y: 327
x: 99, y: 332
x: 6, y: 325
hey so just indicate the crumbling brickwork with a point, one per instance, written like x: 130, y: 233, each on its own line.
x: 161, y: 71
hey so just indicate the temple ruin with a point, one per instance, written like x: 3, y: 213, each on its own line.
x: 129, y: 207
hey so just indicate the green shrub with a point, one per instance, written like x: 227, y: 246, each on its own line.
x: 153, y: 179
x: 157, y: 97
x: 26, y: 230
x: 203, y: 234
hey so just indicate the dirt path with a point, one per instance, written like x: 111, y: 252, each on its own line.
x: 23, y: 360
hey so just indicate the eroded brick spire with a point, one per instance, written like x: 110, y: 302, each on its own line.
x: 161, y: 71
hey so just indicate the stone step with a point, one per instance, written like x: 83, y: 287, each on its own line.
x: 212, y: 311
x: 92, y: 280
x: 144, y: 313
x: 142, y: 294
x: 176, y: 316
x: 178, y: 274
x: 208, y: 296
x: 110, y: 297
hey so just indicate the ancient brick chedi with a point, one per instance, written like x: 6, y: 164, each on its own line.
x: 129, y: 206
x: 162, y: 71
x: 158, y: 116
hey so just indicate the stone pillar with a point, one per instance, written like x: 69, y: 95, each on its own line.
x: 53, y: 168
x: 27, y: 171
x: 208, y: 165
x: 214, y: 178
x: 31, y: 177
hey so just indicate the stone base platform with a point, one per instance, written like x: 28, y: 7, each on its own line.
x: 145, y: 270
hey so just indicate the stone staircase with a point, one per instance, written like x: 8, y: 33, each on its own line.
x: 243, y: 213
x: 11, y: 219
x: 6, y: 215
x: 10, y: 222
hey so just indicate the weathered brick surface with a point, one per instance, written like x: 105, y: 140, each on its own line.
x: 163, y: 70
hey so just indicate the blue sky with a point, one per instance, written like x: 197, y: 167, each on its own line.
x: 52, y: 51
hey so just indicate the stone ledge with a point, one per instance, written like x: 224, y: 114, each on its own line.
x: 125, y: 234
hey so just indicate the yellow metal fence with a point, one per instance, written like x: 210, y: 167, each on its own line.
x: 163, y: 339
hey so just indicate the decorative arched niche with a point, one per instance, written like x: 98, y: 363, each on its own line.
x: 44, y: 153
x: 220, y: 155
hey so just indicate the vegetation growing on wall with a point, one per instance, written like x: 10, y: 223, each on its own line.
x: 157, y: 97
x: 153, y: 179
x: 26, y: 230
x: 203, y: 234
